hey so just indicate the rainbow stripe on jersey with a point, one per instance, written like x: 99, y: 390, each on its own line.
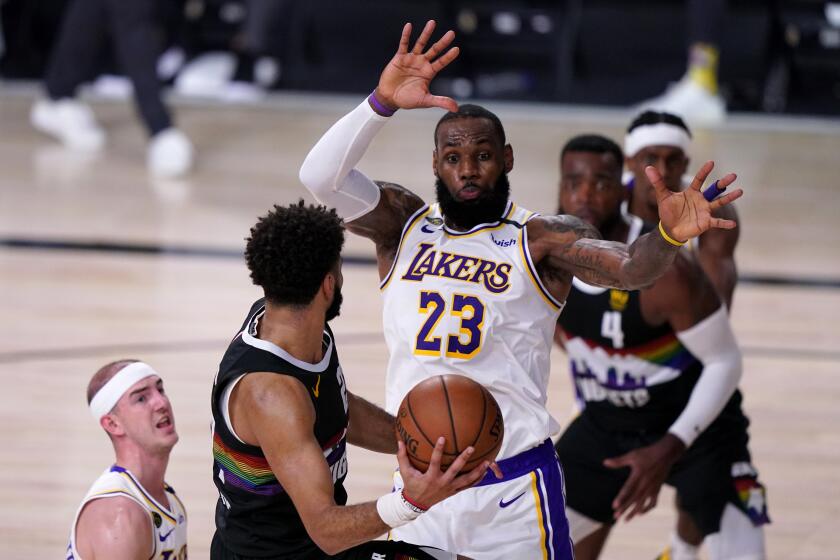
x: 248, y: 472
x: 666, y: 351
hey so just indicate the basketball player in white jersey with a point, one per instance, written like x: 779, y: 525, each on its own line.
x: 130, y: 512
x: 664, y: 140
x: 474, y: 285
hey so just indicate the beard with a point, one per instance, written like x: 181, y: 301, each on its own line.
x: 334, y: 310
x: 485, y: 209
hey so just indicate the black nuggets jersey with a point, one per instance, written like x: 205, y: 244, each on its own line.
x: 628, y: 375
x: 254, y: 514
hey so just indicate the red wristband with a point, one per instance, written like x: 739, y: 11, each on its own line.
x: 412, y: 503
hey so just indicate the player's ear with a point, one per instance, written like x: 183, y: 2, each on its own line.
x: 508, y: 158
x: 434, y: 161
x: 111, y: 424
x: 328, y: 285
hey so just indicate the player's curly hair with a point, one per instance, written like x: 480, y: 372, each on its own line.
x: 291, y: 249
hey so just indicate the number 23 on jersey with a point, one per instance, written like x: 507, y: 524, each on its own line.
x: 463, y: 344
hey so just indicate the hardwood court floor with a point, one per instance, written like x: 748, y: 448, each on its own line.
x: 66, y: 312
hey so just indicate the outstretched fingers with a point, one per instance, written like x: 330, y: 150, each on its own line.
x: 658, y: 183
x: 725, y: 181
x: 424, y: 37
x: 726, y: 199
x: 441, y: 101
x: 719, y: 223
x: 702, y: 174
x: 440, y: 45
x: 404, y: 38
x: 443, y: 61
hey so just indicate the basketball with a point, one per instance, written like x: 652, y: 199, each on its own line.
x: 457, y: 408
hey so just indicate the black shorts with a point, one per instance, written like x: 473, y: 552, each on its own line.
x: 373, y: 550
x: 714, y: 471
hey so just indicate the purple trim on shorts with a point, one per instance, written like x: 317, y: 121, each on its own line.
x: 556, y: 521
x: 525, y: 462
x: 379, y: 108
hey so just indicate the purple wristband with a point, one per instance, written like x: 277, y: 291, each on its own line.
x: 712, y: 191
x: 379, y: 108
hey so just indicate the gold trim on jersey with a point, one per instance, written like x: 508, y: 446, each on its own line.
x: 406, y: 230
x: 532, y: 272
x: 149, y: 500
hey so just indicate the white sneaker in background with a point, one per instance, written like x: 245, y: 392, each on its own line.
x: 691, y: 101
x: 205, y: 75
x: 241, y: 92
x: 170, y: 154
x: 110, y: 86
x: 70, y: 121
x: 170, y: 63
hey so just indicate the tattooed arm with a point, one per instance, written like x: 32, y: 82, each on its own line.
x: 565, y: 244
x: 383, y: 225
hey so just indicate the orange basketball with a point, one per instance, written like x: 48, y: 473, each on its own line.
x: 457, y: 408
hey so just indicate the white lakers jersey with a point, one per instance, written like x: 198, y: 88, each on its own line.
x: 471, y: 303
x: 169, y: 524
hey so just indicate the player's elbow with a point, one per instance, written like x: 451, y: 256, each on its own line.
x: 328, y: 544
x: 316, y: 178
x: 322, y: 530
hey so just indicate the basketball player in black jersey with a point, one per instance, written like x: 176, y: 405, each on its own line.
x: 283, y: 416
x: 663, y: 140
x: 655, y: 374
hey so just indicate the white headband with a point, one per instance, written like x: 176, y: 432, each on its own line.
x: 659, y: 134
x: 106, y: 398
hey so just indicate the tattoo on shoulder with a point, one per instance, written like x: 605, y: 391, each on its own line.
x: 564, y: 223
x: 400, y: 199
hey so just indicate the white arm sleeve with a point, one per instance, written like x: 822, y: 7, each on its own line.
x: 713, y: 343
x: 328, y: 170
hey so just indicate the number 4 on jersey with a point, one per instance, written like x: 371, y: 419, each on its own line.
x: 611, y: 328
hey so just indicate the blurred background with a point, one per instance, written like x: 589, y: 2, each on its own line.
x: 779, y: 56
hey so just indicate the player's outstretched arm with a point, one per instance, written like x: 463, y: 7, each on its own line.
x: 114, y: 528
x: 329, y: 171
x: 275, y: 413
x: 567, y: 245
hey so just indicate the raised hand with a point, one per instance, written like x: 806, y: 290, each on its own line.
x: 434, y: 485
x: 649, y: 467
x: 404, y: 83
x: 687, y: 214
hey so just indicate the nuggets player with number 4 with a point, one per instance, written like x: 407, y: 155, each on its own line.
x: 656, y: 373
x: 130, y: 512
x: 473, y: 285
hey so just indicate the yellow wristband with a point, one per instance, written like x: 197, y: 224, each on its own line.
x: 670, y: 239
